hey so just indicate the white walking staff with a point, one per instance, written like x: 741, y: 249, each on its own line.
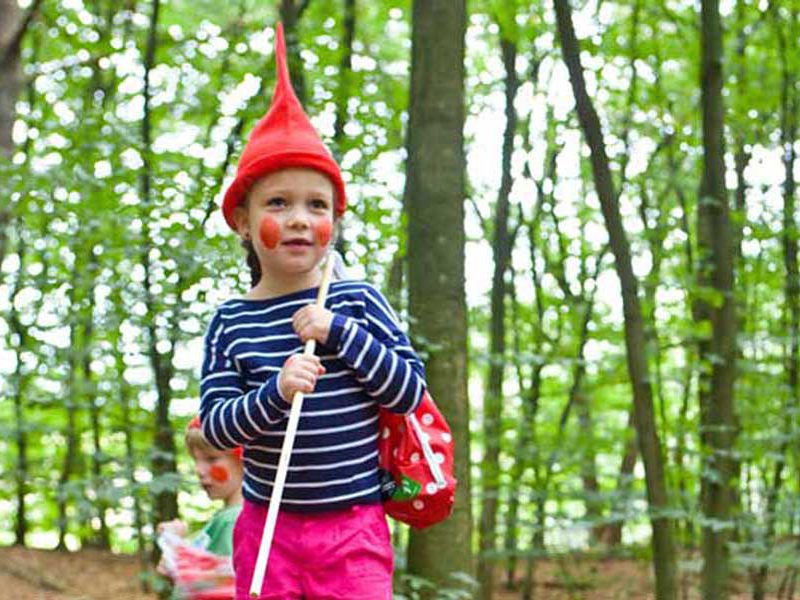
x: 286, y: 454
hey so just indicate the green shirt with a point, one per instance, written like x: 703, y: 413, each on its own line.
x: 217, y: 535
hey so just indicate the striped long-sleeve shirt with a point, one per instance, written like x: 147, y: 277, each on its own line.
x: 369, y: 363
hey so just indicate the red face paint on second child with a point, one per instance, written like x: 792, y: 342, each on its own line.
x: 324, y: 231
x: 270, y: 232
x: 218, y: 473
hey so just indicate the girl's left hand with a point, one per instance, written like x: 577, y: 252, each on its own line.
x: 313, y: 322
x: 175, y: 526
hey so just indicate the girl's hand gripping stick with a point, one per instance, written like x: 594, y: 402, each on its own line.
x: 286, y: 454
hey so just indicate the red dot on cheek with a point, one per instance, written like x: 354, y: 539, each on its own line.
x: 324, y: 231
x: 270, y: 232
x: 218, y: 473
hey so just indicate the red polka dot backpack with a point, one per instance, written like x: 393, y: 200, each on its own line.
x: 416, y: 459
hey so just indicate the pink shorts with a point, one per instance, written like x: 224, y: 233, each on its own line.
x: 344, y: 554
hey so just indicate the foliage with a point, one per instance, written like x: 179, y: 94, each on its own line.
x: 116, y: 252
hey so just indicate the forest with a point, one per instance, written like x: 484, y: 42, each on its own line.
x: 584, y: 212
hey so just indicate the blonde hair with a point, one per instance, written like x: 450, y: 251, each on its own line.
x: 195, y: 440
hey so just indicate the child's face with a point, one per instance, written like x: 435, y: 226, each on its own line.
x: 289, y: 217
x: 219, y: 473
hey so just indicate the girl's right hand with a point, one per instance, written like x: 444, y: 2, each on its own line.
x: 299, y: 374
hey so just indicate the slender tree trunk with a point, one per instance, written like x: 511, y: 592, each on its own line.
x: 100, y: 537
x: 165, y: 503
x: 345, y: 74
x: 537, y: 548
x: 741, y: 155
x: 20, y: 380
x: 434, y: 201
x: 526, y: 454
x: 689, y: 352
x: 717, y: 354
x: 71, y: 404
x: 13, y: 28
x: 10, y: 85
x: 688, y: 533
x: 493, y: 396
x: 789, y: 108
x: 612, y: 535
x: 523, y: 451
x: 342, y: 101
x: 21, y: 472
x: 124, y: 398
x: 664, y: 553
x: 655, y: 234
x: 591, y: 486
x: 525, y: 447
x: 10, y: 72
x: 582, y: 305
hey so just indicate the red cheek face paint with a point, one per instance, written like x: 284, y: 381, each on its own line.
x: 270, y: 232
x: 218, y: 473
x: 324, y: 231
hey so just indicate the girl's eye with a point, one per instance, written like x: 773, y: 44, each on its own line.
x: 276, y: 201
x: 319, y: 204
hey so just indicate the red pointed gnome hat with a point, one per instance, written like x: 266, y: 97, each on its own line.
x: 283, y: 138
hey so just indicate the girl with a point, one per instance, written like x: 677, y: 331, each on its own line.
x: 331, y: 538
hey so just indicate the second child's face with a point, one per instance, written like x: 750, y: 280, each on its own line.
x: 220, y: 473
x: 289, y: 217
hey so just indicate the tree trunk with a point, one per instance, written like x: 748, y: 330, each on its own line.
x: 717, y: 354
x: 689, y: 358
x: 591, y: 486
x: 165, y: 502
x: 789, y: 107
x: 10, y: 72
x: 434, y: 201
x: 10, y: 85
x: 525, y: 447
x: 526, y: 451
x: 523, y: 450
x: 12, y: 31
x: 71, y: 433
x: 612, y: 533
x: 124, y: 398
x: 100, y: 536
x: 537, y: 548
x: 664, y: 555
x: 493, y: 396
x: 687, y: 537
x: 20, y: 380
x: 343, y: 94
x: 345, y: 74
x: 742, y: 155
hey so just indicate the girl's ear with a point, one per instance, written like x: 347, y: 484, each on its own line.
x: 242, y: 220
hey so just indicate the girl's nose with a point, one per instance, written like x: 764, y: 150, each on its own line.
x: 298, y: 217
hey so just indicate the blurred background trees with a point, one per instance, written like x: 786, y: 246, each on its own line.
x: 613, y: 212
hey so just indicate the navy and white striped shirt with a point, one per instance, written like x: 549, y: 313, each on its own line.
x: 369, y: 362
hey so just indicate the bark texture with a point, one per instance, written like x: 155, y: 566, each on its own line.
x: 663, y: 543
x: 434, y: 201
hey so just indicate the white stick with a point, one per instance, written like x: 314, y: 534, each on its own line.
x: 286, y: 454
